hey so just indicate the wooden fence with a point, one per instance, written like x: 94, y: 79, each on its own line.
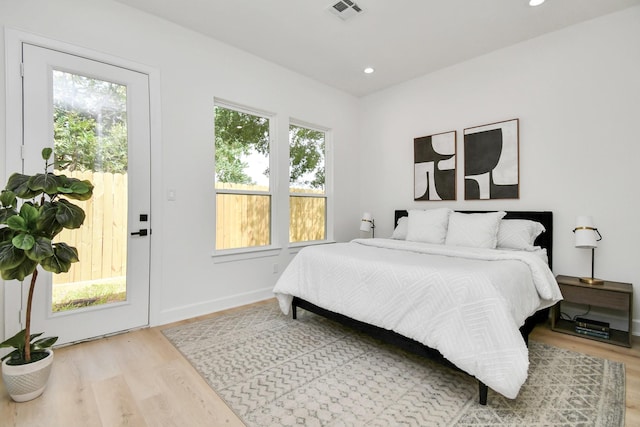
x: 242, y: 220
x: 102, y: 239
x: 307, y: 218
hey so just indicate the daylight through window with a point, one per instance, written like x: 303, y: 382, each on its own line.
x: 307, y: 193
x: 243, y: 194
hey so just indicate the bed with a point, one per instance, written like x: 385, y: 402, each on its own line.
x: 471, y: 308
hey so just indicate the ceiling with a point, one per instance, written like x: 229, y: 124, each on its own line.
x: 400, y: 39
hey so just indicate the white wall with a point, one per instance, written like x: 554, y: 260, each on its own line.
x: 192, y: 70
x: 577, y: 95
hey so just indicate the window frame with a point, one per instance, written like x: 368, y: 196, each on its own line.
x: 328, y: 184
x: 231, y: 254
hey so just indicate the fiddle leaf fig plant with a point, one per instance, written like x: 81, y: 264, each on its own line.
x: 27, y: 231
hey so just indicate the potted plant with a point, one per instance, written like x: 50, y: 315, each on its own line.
x: 27, y: 230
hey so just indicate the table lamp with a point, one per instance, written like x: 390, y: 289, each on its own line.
x: 367, y: 224
x: 587, y: 236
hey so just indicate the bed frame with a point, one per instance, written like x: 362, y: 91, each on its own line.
x: 545, y: 240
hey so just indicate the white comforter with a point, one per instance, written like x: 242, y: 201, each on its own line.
x: 467, y: 303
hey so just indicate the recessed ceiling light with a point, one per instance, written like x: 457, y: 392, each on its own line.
x: 535, y: 2
x: 368, y: 70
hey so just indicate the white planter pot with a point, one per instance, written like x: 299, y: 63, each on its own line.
x: 26, y: 382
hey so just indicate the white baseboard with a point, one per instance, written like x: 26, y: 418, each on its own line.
x: 207, y: 307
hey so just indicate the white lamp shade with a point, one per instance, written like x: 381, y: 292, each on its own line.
x: 585, y: 233
x: 365, y: 224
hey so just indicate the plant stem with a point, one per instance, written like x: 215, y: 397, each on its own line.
x: 27, y: 328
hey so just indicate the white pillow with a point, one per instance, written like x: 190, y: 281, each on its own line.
x: 519, y: 234
x: 428, y: 226
x: 400, y: 232
x: 478, y: 230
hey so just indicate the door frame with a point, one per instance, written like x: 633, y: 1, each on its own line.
x: 14, y: 137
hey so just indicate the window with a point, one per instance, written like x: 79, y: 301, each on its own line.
x: 307, y: 194
x: 242, y: 183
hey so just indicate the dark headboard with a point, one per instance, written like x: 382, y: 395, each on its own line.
x: 545, y: 240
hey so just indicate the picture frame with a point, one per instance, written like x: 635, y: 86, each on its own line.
x: 492, y: 161
x: 434, y: 166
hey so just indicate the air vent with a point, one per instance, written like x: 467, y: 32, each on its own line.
x: 345, y: 9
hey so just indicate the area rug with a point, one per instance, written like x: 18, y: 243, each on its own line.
x: 275, y: 371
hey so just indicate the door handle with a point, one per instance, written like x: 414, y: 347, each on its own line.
x: 142, y: 232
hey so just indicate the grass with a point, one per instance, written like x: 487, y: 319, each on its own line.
x: 72, y: 296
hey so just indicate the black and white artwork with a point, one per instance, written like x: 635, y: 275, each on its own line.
x: 434, y: 159
x: 491, y: 161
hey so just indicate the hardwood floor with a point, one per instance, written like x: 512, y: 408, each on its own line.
x: 139, y: 379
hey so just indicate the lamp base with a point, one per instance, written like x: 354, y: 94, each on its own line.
x: 591, y: 281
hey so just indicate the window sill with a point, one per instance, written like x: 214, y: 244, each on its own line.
x: 294, y: 248
x: 230, y: 255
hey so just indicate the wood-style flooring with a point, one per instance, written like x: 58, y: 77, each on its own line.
x: 139, y: 379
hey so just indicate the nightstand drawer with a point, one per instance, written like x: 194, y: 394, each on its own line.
x: 607, y: 299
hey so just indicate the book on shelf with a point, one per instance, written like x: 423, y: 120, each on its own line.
x: 592, y: 333
x: 595, y: 325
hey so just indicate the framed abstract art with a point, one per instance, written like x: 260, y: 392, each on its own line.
x: 434, y: 166
x: 491, y: 161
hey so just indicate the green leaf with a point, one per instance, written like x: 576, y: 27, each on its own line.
x: 43, y: 343
x: 8, y: 198
x: 55, y: 265
x: 6, y: 234
x: 19, y: 184
x: 65, y: 252
x: 6, y: 213
x: 10, y: 256
x: 46, y: 153
x: 17, y: 223
x: 24, y: 241
x: 47, y: 221
x: 34, y: 336
x: 65, y: 190
x: 30, y: 215
x: 69, y: 215
x: 26, y: 267
x: 17, y: 341
x: 81, y: 187
x: 26, y: 220
x: 77, y: 189
x: 46, y: 182
x: 61, y: 260
x: 41, y: 249
x: 15, y: 354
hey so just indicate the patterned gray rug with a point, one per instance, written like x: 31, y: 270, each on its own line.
x: 275, y: 371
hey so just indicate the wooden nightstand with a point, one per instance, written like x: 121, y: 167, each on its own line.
x: 613, y: 295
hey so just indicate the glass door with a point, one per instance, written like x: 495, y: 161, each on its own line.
x: 96, y: 118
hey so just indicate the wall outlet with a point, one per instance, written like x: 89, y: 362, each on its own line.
x: 275, y: 268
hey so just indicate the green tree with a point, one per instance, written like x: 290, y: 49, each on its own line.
x: 306, y: 157
x: 90, y: 124
x: 112, y: 155
x: 238, y: 134
x: 75, y: 140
